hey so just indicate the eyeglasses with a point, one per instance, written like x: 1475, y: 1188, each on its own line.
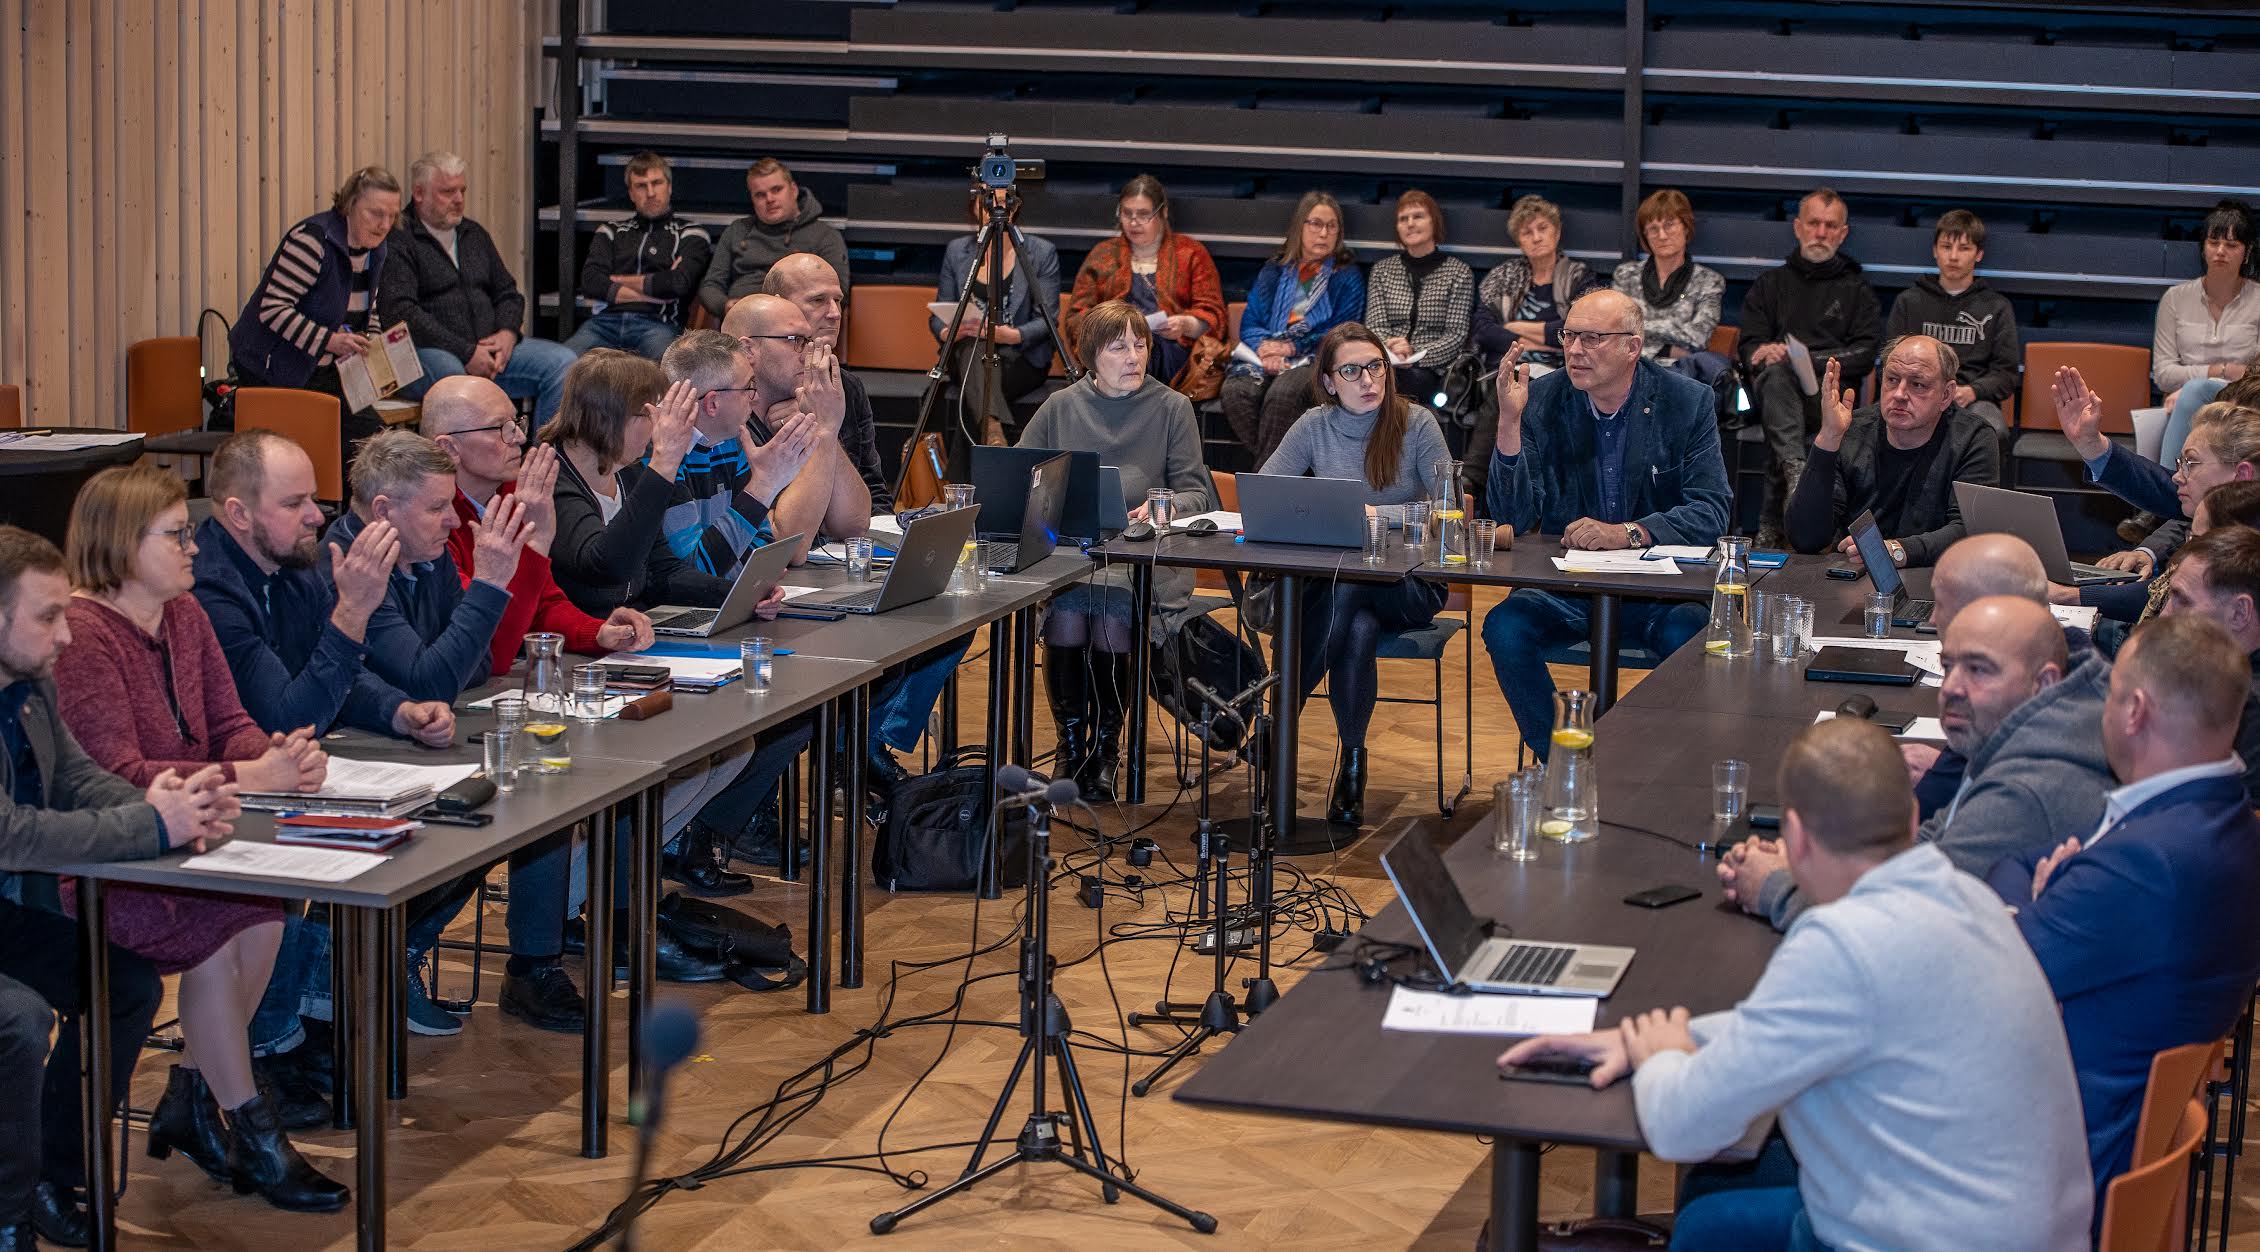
x: 1136, y: 217
x: 515, y: 423
x: 1350, y: 373
x: 798, y: 341
x: 185, y: 536
x: 1322, y: 224
x: 1592, y: 338
x: 2188, y: 463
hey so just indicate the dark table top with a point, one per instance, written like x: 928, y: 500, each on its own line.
x: 1225, y: 550
x: 25, y: 456
x: 1530, y: 563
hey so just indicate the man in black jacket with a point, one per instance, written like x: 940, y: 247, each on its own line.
x: 1958, y: 309
x: 809, y: 281
x: 1898, y: 458
x: 445, y: 279
x: 643, y: 270
x: 1818, y: 297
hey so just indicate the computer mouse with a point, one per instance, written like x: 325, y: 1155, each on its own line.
x: 1858, y: 707
x: 1138, y: 532
x: 1201, y: 526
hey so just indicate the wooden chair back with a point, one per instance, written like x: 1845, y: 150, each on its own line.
x: 2118, y: 373
x: 165, y: 385
x: 306, y: 418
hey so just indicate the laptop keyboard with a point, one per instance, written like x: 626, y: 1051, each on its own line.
x: 860, y: 600
x: 1916, y: 611
x: 1531, y: 964
x: 995, y: 555
x: 689, y: 619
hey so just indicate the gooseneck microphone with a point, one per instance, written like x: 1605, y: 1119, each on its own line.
x: 670, y: 1037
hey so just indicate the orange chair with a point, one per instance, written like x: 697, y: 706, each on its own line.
x: 165, y: 398
x: 2119, y: 374
x: 887, y: 330
x: 11, y: 405
x: 2176, y: 1075
x: 1227, y: 499
x: 1725, y: 339
x: 2146, y: 1209
x: 308, y: 419
x: 1230, y: 331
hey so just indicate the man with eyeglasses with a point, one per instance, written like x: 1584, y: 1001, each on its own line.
x: 811, y: 284
x: 1611, y: 451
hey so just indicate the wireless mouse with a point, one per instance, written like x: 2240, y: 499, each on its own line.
x: 1138, y: 532
x: 1201, y: 526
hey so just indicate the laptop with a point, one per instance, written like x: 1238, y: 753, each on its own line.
x: 922, y: 567
x: 1114, y: 515
x: 1907, y: 612
x: 1000, y: 489
x: 2032, y: 518
x: 1039, y: 521
x: 1460, y: 945
x: 763, y: 567
x: 1290, y: 508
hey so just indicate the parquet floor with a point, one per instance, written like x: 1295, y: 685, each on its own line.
x: 484, y: 1155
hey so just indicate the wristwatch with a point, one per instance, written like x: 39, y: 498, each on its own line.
x: 1898, y: 552
x: 1632, y: 535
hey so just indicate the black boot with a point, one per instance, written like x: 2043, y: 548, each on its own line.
x: 882, y: 773
x: 1067, y: 684
x: 188, y: 1118
x: 703, y: 866
x: 262, y: 1159
x: 1110, y: 695
x: 1347, y: 807
x: 18, y: 1238
x: 58, y: 1214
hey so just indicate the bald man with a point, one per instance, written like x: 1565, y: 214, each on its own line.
x: 1898, y: 458
x: 813, y: 286
x: 1610, y: 451
x: 2027, y: 727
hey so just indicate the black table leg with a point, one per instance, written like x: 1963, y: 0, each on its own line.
x: 788, y: 823
x: 1286, y: 705
x: 596, y: 1039
x: 851, y: 840
x: 94, y: 1063
x: 1601, y: 636
x: 374, y: 1047
x: 392, y: 944
x: 1514, y: 1196
x: 820, y: 856
x: 1134, y: 735
x: 643, y: 925
x: 1000, y: 733
x: 345, y: 1015
x: 949, y: 716
x: 1616, y: 1184
x: 1024, y: 686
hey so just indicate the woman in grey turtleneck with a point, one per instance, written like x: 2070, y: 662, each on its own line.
x: 1363, y: 430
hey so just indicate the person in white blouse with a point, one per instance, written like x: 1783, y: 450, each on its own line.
x: 2208, y: 329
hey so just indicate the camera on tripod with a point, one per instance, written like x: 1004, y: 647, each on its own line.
x: 999, y: 170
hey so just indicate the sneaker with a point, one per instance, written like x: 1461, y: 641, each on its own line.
x: 545, y: 999
x: 425, y: 1017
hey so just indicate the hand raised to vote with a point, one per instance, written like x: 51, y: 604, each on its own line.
x: 1514, y: 394
x: 1836, y: 408
x: 2079, y: 411
x: 673, y: 428
x: 498, y: 539
x: 362, y: 574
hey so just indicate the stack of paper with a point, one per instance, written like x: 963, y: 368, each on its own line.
x: 1623, y: 561
x: 1435, y: 1011
x: 691, y: 673
x: 377, y: 788
x: 273, y: 860
x: 67, y: 440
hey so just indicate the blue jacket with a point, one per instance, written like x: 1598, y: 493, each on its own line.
x: 430, y: 636
x: 1020, y: 303
x: 2149, y: 940
x: 1674, y: 477
x: 292, y: 667
x: 1272, y: 294
x: 2143, y: 483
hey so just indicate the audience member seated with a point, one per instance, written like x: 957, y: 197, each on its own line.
x: 1898, y: 459
x: 1158, y: 270
x: 1307, y: 288
x: 1901, y: 1126
x: 315, y: 303
x: 1023, y: 335
x: 1364, y: 431
x: 1133, y: 421
x: 444, y: 277
x: 1679, y: 300
x: 144, y: 687
x: 786, y: 218
x: 2026, y: 727
x: 2193, y: 395
x: 1819, y: 297
x: 643, y: 270
x: 1523, y: 300
x: 62, y: 809
x: 2143, y: 924
x: 1419, y: 300
x: 809, y: 282
x: 1960, y: 310
x: 2216, y: 576
x: 2209, y: 326
x: 1572, y: 460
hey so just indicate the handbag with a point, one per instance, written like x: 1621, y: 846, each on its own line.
x: 937, y: 830
x: 922, y: 473
x: 745, y: 944
x: 1205, y: 652
x: 1202, y: 377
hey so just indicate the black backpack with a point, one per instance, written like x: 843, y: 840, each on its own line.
x: 1225, y: 663
x: 937, y: 824
x: 744, y: 943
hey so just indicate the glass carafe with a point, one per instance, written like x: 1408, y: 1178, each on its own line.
x: 1450, y: 514
x: 548, y: 699
x: 1573, y: 801
x: 1729, y: 634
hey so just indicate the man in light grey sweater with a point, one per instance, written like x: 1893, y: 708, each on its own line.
x: 1903, y: 1034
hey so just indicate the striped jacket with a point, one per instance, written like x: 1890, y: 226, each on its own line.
x: 1447, y: 301
x: 710, y: 521
x: 1686, y: 322
x: 670, y: 251
x: 301, y: 298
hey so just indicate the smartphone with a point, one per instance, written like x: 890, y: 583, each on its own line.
x: 1765, y: 817
x: 1843, y: 573
x: 1575, y: 1071
x: 1663, y: 897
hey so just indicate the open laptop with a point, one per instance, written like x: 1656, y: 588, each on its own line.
x: 2032, y: 518
x: 1290, y: 508
x: 1114, y: 515
x: 1907, y: 612
x: 1039, y: 520
x: 763, y: 567
x: 922, y: 568
x: 1000, y: 489
x: 1461, y: 948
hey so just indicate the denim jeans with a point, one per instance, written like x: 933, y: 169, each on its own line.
x: 537, y: 369
x: 2195, y: 395
x: 1518, y: 631
x: 1745, y: 1208
x: 629, y: 332
x: 907, y: 695
x: 299, y: 986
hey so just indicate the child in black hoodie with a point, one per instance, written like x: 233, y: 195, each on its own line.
x: 1959, y: 309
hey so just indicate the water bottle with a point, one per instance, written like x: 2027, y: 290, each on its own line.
x: 1573, y: 801
x: 1729, y: 634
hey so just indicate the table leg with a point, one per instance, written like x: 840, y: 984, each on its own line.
x: 1616, y: 1184
x: 345, y: 1014
x: 788, y: 823
x: 949, y: 716
x: 820, y: 856
x: 596, y: 1038
x: 95, y: 1046
x: 1286, y: 704
x: 851, y: 840
x: 643, y: 926
x: 393, y: 946
x: 1024, y: 687
x: 1135, y: 708
x: 378, y: 1027
x: 1514, y: 1196
x: 1601, y: 636
x: 1000, y: 734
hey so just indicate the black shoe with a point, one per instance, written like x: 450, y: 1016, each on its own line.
x: 1347, y: 807
x: 299, y: 1108
x: 1110, y: 696
x: 672, y: 962
x: 263, y: 1160
x: 188, y: 1118
x: 59, y: 1215
x: 294, y: 1081
x: 18, y: 1238
x: 763, y: 842
x: 703, y: 868
x: 545, y: 999
x: 1066, y: 683
x: 882, y: 773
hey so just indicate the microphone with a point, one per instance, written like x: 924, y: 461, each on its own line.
x: 1014, y: 779
x: 1022, y: 787
x: 670, y: 1037
x: 1062, y: 791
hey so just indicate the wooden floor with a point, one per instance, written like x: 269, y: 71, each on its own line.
x: 485, y: 1153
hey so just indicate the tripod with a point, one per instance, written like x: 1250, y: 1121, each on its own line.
x: 1043, y: 1020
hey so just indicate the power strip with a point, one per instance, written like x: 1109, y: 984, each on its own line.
x: 1236, y: 940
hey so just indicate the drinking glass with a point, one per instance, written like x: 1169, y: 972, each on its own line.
x: 756, y: 663
x: 1376, y: 539
x: 957, y: 495
x: 1880, y: 605
x: 1730, y: 790
x: 497, y: 759
x: 588, y: 693
x: 1793, y: 617
x: 1416, y: 529
x: 1161, y: 503
x: 1763, y: 607
x: 1482, y: 536
x: 1526, y: 803
x: 510, y: 714
x: 859, y: 559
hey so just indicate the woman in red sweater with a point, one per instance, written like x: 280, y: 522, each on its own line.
x: 1164, y: 274
x: 145, y: 688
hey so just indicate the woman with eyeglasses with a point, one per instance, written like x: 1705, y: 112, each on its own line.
x: 1024, y: 343
x: 1521, y: 304
x: 1167, y: 276
x: 1419, y: 300
x: 1307, y: 288
x: 146, y: 690
x: 1362, y: 430
x: 1679, y: 300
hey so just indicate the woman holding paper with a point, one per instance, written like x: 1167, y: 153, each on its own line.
x: 1419, y: 300
x: 1024, y: 338
x: 1310, y: 286
x: 146, y: 689
x: 1167, y: 276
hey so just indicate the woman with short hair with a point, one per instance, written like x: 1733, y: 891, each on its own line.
x: 1679, y: 300
x: 1307, y: 288
x: 1522, y: 301
x: 1419, y: 300
x: 1165, y: 275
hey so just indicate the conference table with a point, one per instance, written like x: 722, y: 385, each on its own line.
x: 39, y: 482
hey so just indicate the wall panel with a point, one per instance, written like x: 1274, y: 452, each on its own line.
x: 151, y: 154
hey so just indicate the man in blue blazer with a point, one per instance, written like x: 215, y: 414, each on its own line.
x: 2146, y: 930
x: 1610, y: 451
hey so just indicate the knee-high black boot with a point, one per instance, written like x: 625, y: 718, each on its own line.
x: 1110, y: 695
x: 1068, y: 685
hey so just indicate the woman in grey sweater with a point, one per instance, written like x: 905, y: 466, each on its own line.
x: 1362, y: 430
x: 1137, y: 424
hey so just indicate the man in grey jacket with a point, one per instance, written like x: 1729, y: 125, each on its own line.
x: 784, y: 221
x: 2029, y: 730
x: 60, y: 808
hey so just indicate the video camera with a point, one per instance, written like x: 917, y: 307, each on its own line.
x: 999, y: 170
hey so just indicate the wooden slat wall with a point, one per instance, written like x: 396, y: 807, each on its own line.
x: 152, y: 154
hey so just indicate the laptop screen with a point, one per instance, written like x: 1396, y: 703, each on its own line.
x: 1000, y: 490
x: 1868, y: 538
x: 1438, y: 910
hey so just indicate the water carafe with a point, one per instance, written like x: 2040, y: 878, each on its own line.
x: 1729, y: 634
x: 1450, y: 514
x: 548, y: 699
x: 1573, y: 800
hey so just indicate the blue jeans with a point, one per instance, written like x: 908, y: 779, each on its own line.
x: 537, y: 368
x: 2195, y: 395
x: 629, y: 332
x: 907, y: 695
x: 1523, y: 626
x: 1745, y: 1208
x: 300, y: 983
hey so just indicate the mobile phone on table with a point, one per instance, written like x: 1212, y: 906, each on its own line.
x: 1843, y: 573
x: 1663, y: 897
x: 1765, y: 817
x: 1575, y: 1071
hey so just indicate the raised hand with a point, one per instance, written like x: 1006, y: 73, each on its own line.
x: 1836, y: 408
x: 774, y: 464
x: 2080, y: 412
x: 498, y: 539
x: 673, y: 428
x: 536, y: 491
x: 819, y: 390
x: 362, y: 574
x: 1514, y: 393
x: 428, y: 722
x: 626, y: 630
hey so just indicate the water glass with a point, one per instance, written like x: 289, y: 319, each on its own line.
x: 1482, y: 537
x: 859, y: 559
x: 510, y: 713
x: 1730, y: 790
x: 1161, y: 504
x: 1376, y: 539
x: 588, y: 693
x: 1526, y: 804
x: 1416, y: 529
x: 1880, y: 605
x: 1763, y: 610
x: 1793, y: 625
x: 756, y: 663
x: 497, y: 748
x: 957, y: 495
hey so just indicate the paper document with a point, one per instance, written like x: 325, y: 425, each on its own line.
x: 1439, y: 1013
x: 349, y: 779
x: 1801, y: 360
x: 1246, y: 355
x: 884, y: 526
x: 794, y: 591
x: 1922, y: 729
x: 272, y: 860
x: 1157, y: 320
x: 2080, y: 615
x: 942, y: 309
x: 71, y: 440
x: 1414, y: 359
x: 1679, y: 552
x: 688, y: 670
x: 2149, y: 431
x: 1225, y: 519
x: 389, y: 365
x: 1623, y: 561
x: 1532, y: 371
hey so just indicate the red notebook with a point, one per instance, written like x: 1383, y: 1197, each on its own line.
x: 355, y: 834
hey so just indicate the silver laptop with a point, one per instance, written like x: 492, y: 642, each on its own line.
x: 1114, y: 515
x: 763, y: 567
x: 930, y: 548
x: 2032, y: 518
x: 1289, y: 508
x: 1459, y: 944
